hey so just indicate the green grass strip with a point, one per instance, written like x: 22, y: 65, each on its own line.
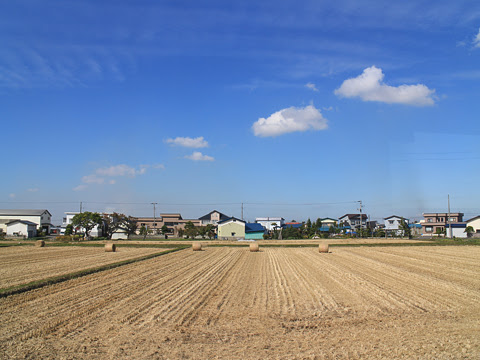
x: 18, y: 289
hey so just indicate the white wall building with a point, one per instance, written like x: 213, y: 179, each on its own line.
x: 67, y: 220
x: 271, y: 223
x: 42, y: 218
x: 22, y: 228
x: 475, y: 223
x: 393, y: 224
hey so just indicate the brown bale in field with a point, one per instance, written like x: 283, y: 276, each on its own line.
x: 254, y: 247
x: 323, y: 248
x: 40, y: 243
x: 196, y: 246
x: 110, y: 247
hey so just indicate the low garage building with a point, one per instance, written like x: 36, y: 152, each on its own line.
x: 231, y: 229
x: 254, y: 231
x: 22, y: 228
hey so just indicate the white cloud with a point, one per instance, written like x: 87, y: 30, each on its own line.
x: 369, y: 86
x: 33, y: 189
x: 329, y: 108
x: 93, y: 179
x: 290, y: 120
x: 198, y: 156
x: 311, y: 86
x: 80, y: 187
x: 12, y: 196
x: 119, y: 170
x: 198, y: 142
x: 476, y: 41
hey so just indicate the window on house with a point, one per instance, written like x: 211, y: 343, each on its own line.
x: 429, y: 220
x: 452, y: 219
x: 390, y: 221
x: 428, y: 229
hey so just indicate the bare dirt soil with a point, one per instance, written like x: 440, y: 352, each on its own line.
x: 279, y: 303
x: 23, y: 264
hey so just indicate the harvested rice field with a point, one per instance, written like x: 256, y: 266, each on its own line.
x: 279, y: 303
x: 23, y: 264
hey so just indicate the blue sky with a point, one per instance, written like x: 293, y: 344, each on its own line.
x: 297, y: 109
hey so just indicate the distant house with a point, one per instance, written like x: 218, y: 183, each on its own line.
x: 22, y: 228
x: 173, y: 222
x: 434, y: 221
x: 231, y: 229
x: 475, y: 224
x: 120, y: 234
x: 254, y: 231
x: 212, y: 218
x: 415, y: 229
x: 329, y: 222
x: 42, y: 218
x: 295, y: 225
x: 352, y: 221
x: 271, y: 223
x: 393, y: 225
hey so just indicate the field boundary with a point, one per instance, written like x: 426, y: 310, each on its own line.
x: 18, y: 289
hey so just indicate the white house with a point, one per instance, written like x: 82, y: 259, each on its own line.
x: 352, y: 220
x: 271, y: 223
x: 393, y: 224
x: 22, y: 228
x: 475, y: 223
x: 42, y: 218
x: 67, y: 220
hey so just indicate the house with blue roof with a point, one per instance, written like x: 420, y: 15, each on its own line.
x: 254, y: 231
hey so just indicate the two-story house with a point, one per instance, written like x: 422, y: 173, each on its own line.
x: 393, y: 225
x: 41, y: 217
x: 437, y: 222
x: 352, y: 220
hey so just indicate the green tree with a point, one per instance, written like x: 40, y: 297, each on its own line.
x: 116, y: 221
x: 469, y: 230
x: 318, y: 223
x: 405, y: 229
x: 210, y: 231
x: 69, y: 229
x: 309, y: 223
x: 190, y: 230
x: 202, y: 231
x: 164, y: 229
x: 143, y: 231
x: 87, y: 220
x: 439, y: 231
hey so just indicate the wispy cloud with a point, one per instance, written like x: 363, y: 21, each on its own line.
x: 290, y: 120
x: 311, y: 86
x: 198, y: 156
x: 104, y: 175
x: 33, y: 189
x: 198, y: 142
x: 476, y: 40
x: 369, y: 86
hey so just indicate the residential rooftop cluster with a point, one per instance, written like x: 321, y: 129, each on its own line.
x: 29, y: 222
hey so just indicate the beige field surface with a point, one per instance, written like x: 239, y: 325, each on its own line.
x: 277, y: 242
x: 23, y: 264
x: 280, y: 303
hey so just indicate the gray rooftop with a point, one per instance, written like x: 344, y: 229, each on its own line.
x: 26, y: 212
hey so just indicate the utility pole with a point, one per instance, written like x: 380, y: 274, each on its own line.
x: 360, y: 209
x: 154, y: 219
x: 80, y: 207
x: 242, y: 210
x: 448, y: 218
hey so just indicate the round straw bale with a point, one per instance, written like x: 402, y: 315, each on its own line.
x: 40, y: 243
x: 110, y: 247
x: 196, y: 246
x: 323, y: 248
x: 254, y: 247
